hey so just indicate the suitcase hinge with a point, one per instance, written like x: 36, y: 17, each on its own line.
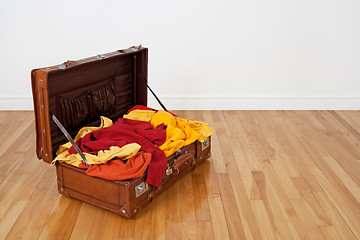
x: 65, y: 65
x: 101, y: 57
x: 137, y: 48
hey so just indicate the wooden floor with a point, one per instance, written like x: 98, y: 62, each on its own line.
x: 272, y: 175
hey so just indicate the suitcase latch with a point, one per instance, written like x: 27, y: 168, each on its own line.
x: 205, y: 144
x: 141, y: 188
x: 169, y: 170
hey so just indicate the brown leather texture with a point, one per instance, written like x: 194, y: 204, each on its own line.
x: 79, y: 92
x: 120, y: 196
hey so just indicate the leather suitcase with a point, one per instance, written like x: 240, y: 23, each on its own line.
x: 78, y: 93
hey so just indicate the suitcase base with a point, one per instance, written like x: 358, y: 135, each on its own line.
x: 127, y: 198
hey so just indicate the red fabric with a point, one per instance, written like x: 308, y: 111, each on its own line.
x: 141, y: 107
x: 125, y: 131
x: 117, y: 169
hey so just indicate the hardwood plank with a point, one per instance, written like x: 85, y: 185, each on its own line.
x: 337, y: 221
x: 233, y: 220
x: 285, y: 203
x: 158, y: 220
x: 339, y: 145
x: 11, y: 134
x: 84, y: 222
x: 205, y: 231
x: 348, y: 208
x: 251, y: 227
x: 97, y: 229
x: 313, y: 205
x: 200, y: 195
x: 218, y: 218
x: 33, y: 218
x: 267, y: 231
x: 352, y: 118
x: 173, y: 212
x: 143, y: 223
x: 61, y: 221
x: 276, y: 218
x: 14, y: 155
x: 188, y: 217
x: 10, y: 218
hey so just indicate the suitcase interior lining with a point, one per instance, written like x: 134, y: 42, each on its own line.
x: 79, y: 95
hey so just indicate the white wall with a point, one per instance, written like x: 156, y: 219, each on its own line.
x: 282, y: 54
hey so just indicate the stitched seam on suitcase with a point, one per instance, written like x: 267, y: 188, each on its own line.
x: 88, y: 197
x: 112, y: 210
x: 75, y: 169
x: 87, y: 201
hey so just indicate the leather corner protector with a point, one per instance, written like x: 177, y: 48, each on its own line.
x: 128, y: 210
x: 62, y: 189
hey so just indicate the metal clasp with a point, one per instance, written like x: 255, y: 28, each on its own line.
x: 141, y: 188
x: 168, y: 171
x: 205, y: 144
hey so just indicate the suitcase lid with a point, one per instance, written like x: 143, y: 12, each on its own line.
x: 79, y: 92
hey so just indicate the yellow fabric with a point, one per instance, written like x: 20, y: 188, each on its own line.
x: 105, y: 122
x: 179, y: 132
x: 163, y: 117
x: 202, y: 128
x: 140, y: 115
x: 103, y: 156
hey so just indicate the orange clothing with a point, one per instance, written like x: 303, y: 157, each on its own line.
x: 117, y: 169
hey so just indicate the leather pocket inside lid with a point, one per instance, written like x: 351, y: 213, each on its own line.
x: 76, y: 111
x: 73, y: 111
x: 103, y: 100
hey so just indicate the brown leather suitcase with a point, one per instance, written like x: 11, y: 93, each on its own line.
x: 78, y: 93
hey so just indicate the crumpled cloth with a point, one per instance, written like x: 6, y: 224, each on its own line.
x: 118, y: 169
x: 179, y: 132
x: 127, y: 131
x: 102, y: 156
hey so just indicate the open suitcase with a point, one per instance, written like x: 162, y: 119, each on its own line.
x: 78, y: 93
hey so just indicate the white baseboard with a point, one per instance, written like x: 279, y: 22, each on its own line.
x: 223, y: 103
x: 14, y: 103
